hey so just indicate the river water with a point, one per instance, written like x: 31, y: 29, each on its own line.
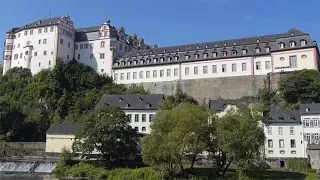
x: 26, y: 177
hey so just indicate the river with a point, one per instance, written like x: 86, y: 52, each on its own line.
x: 26, y: 177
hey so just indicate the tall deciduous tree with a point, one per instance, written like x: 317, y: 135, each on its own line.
x: 175, y: 134
x: 107, y: 130
x: 240, y: 135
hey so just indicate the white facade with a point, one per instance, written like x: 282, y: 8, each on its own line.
x: 141, y: 119
x: 284, y: 140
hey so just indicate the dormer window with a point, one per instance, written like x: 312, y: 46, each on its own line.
x: 292, y: 44
x: 307, y: 109
x: 176, y: 58
x: 196, y: 56
x: 214, y: 54
x: 148, y: 61
x: 292, y: 118
x: 106, y: 104
x: 224, y: 53
x: 303, y: 43
x: 280, y: 118
x: 234, y: 43
x: 162, y: 59
x: 187, y: 57
x: 225, y: 44
x: 234, y: 53
x: 141, y: 61
x: 178, y: 49
x: 120, y: 99
x: 169, y: 59
x: 258, y: 50
x: 140, y: 99
x: 216, y: 45
x: 148, y: 105
x: 155, y: 60
x: 123, y: 63
x: 258, y: 40
x: 205, y: 55
x: 267, y: 49
x: 281, y: 45
x: 130, y: 62
x: 244, y: 51
x: 116, y: 64
x: 135, y: 62
x: 127, y: 105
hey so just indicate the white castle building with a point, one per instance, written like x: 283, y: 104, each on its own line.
x: 36, y: 46
x: 111, y: 51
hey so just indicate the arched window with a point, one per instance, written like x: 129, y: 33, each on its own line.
x: 281, y: 45
x: 234, y: 52
x: 267, y: 49
x: 214, y: 54
x: 102, y: 44
x: 224, y: 53
x: 303, y: 42
x: 244, y: 51
x: 258, y: 50
x: 292, y: 44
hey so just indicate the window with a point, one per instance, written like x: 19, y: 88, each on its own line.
x: 134, y: 75
x: 175, y: 71
x: 270, y: 152
x: 244, y: 51
x: 161, y: 73
x: 68, y: 56
x: 31, y: 32
x: 224, y: 53
x: 293, y: 152
x: 282, y: 152
x: 244, y: 66
x: 51, y: 29
x: 214, y: 68
x: 267, y: 63
x: 143, y: 117
x: 78, y: 56
x: 186, y: 71
x: 39, y: 41
x: 44, y: 53
x: 81, y: 46
x: 61, y: 41
x: 120, y: 46
x: 293, y: 61
x: 39, y: 31
x: 147, y: 74
x: 234, y: 67
x: 224, y: 68
x: 102, y: 56
x: 39, y: 64
x: 315, y: 123
x: 267, y: 49
x: 20, y: 55
x: 86, y: 46
x: 154, y: 74
x: 292, y: 44
x: 280, y: 129
x: 150, y: 117
x: 281, y: 143
x: 76, y: 46
x: 69, y: 44
x: 281, y: 45
x: 293, y: 143
x: 144, y: 129
x: 128, y: 75
x: 26, y: 53
x: 141, y: 74
x: 35, y: 54
x: 91, y: 45
x: 102, y: 44
x: 121, y: 76
x: 18, y: 35
x: 129, y: 117
x: 303, y: 43
x: 205, y: 55
x: 136, y: 128
x: 125, y: 48
x: 214, y: 54
x: 102, y: 70
x: 316, y: 136
x: 51, y: 52
x: 291, y: 130
x: 25, y: 33
x: 168, y: 72
x: 187, y: 57
x: 234, y: 53
x: 136, y: 118
x: 269, y: 129
x: 307, y: 124
x: 91, y: 56
x: 195, y: 70
x: 308, y: 136
x: 270, y: 143
x: 258, y: 50
x: 258, y: 65
x: 49, y: 62
x: 44, y: 41
x: 196, y: 56
x: 116, y: 76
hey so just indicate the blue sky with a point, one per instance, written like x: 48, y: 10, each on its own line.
x: 173, y: 22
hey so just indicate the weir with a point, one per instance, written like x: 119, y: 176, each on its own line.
x: 27, y: 167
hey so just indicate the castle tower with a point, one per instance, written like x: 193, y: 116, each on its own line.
x: 8, y: 51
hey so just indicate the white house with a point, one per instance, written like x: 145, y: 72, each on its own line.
x: 140, y: 108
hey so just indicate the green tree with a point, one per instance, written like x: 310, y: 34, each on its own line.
x: 179, y: 98
x: 107, y: 130
x: 240, y: 135
x: 175, y: 134
x: 300, y: 87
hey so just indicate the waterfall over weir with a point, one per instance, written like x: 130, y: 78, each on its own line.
x: 27, y: 167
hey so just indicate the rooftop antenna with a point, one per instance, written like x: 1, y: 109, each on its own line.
x: 50, y: 14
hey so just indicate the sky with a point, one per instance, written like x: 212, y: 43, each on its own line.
x: 173, y: 22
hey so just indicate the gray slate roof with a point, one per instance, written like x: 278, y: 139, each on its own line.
x: 37, y: 24
x: 63, y: 129
x: 285, y: 116
x: 229, y: 46
x: 131, y: 102
x: 312, y: 108
x: 221, y: 104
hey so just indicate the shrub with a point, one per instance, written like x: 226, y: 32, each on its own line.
x: 65, y: 157
x: 298, y: 165
x: 133, y: 174
x: 60, y: 171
